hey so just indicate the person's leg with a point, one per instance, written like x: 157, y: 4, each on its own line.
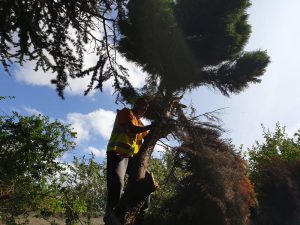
x: 116, y: 169
x: 131, y: 162
x: 140, y: 217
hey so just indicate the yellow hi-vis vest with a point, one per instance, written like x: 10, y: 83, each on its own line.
x: 123, y: 141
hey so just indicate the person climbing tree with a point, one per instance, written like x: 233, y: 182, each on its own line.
x: 125, y: 141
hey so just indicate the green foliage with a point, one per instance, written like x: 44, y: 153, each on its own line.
x: 29, y: 148
x: 55, y: 34
x: 276, y: 144
x: 151, y: 38
x: 168, y: 175
x: 32, y: 178
x: 84, y: 190
x: 275, y: 170
x: 235, y: 75
x: 30, y: 145
x: 79, y: 192
x: 181, y: 44
x: 214, y: 30
x: 191, y: 43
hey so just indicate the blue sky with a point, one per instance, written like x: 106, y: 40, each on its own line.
x: 275, y: 28
x: 276, y: 99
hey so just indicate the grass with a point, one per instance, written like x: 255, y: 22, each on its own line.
x: 57, y: 219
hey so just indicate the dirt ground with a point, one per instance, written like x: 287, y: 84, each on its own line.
x: 60, y: 221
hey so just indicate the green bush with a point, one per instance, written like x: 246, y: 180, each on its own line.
x: 29, y: 148
x: 275, y: 171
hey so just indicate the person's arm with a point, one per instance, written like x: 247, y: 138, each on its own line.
x: 125, y: 120
x: 137, y: 129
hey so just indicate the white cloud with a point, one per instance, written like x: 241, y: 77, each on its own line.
x: 101, y: 153
x: 136, y: 75
x: 77, y: 86
x: 28, y: 75
x: 32, y: 111
x: 102, y: 122
x: 78, y: 123
x: 99, y: 122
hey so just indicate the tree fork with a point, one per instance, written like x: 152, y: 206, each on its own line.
x: 141, y: 183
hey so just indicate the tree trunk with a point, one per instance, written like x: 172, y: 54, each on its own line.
x: 141, y: 183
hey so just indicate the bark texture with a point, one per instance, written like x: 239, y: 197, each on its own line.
x: 141, y: 183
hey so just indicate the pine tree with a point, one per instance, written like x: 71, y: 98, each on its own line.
x: 54, y: 34
x: 182, y: 45
x: 192, y: 43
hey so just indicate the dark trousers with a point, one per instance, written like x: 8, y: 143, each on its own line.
x: 116, y: 171
x: 117, y: 167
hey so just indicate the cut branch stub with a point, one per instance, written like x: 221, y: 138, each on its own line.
x: 133, y: 200
x: 141, y: 183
